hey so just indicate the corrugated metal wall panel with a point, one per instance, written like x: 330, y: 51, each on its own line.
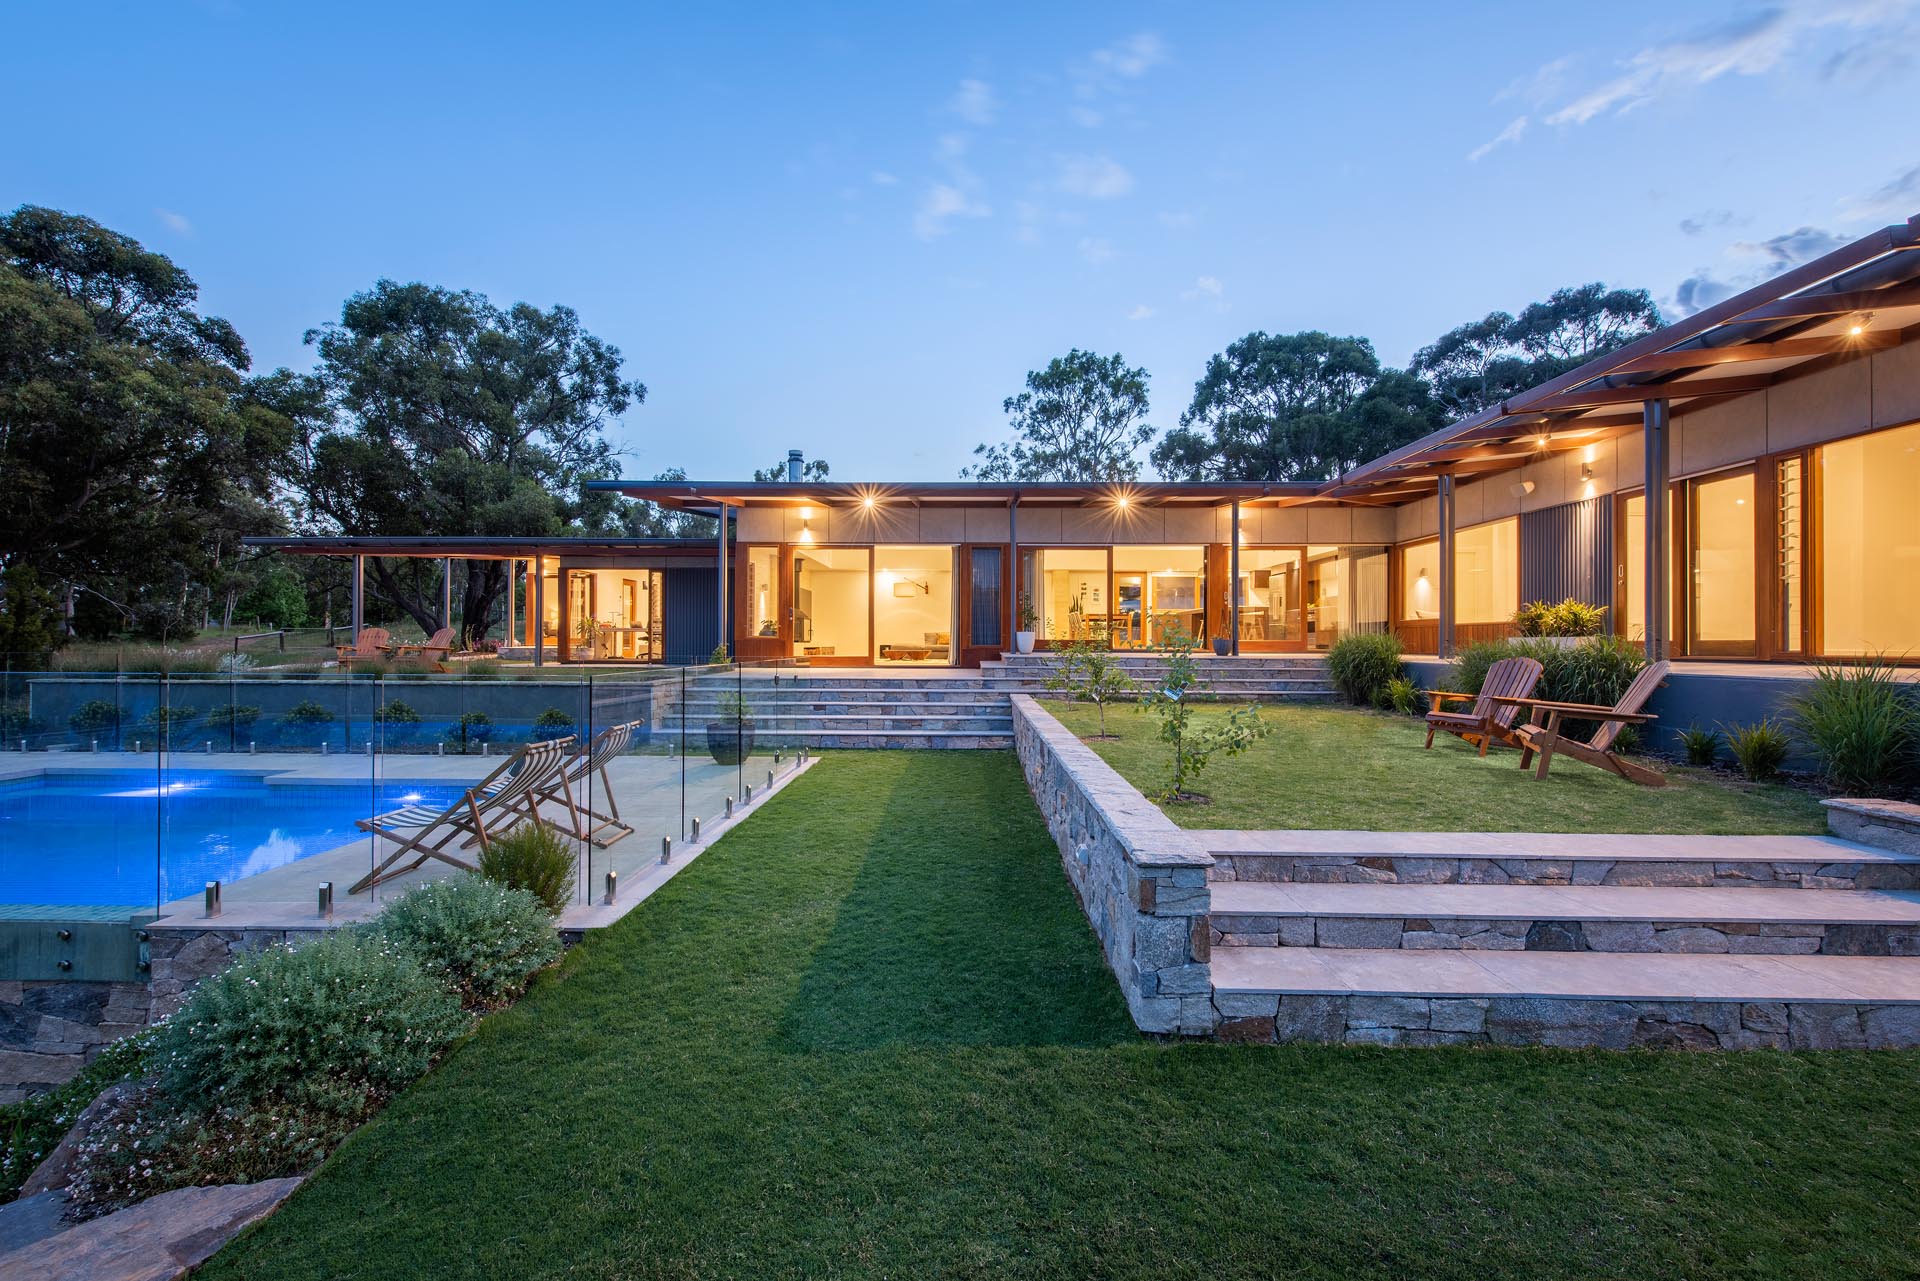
x: 692, y: 630
x: 1568, y: 551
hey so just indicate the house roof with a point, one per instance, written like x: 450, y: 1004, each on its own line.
x: 486, y: 548
x: 1861, y: 298
x: 708, y: 495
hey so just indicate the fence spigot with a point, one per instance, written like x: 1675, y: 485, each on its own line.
x: 666, y: 848
x: 326, y: 900
x: 613, y: 884
x: 696, y: 832
x: 213, y: 898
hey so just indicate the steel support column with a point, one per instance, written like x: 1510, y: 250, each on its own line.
x: 720, y: 579
x: 357, y: 593
x: 1659, y: 531
x: 1233, y: 579
x: 1445, y: 645
x: 539, y: 618
x: 446, y: 591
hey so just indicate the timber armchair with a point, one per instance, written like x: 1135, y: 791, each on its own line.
x: 1495, y: 708
x: 1548, y: 741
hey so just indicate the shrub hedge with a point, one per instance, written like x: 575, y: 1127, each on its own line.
x: 480, y: 938
x: 1362, y: 663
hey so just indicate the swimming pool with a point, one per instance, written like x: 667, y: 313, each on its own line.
x: 119, y: 837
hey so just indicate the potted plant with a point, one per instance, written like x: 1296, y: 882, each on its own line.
x: 1023, y: 638
x: 730, y: 735
x: 1564, y: 625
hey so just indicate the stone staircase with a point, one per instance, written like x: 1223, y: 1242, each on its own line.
x: 1267, y: 678
x: 825, y: 707
x: 1415, y: 938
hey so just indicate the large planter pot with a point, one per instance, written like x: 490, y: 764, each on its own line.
x: 1222, y: 646
x: 729, y: 743
x: 1023, y: 642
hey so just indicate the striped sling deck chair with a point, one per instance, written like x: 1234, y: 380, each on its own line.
x: 1493, y: 713
x: 496, y: 803
x: 571, y: 787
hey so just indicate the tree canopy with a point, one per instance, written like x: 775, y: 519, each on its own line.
x: 1083, y: 417
x: 433, y: 411
x: 1483, y: 362
x: 135, y: 451
x: 1298, y: 407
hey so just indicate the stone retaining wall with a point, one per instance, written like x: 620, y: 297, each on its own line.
x: 1141, y: 881
x: 50, y: 1029
x: 1600, y: 1024
x: 1408, y: 869
x: 1770, y: 938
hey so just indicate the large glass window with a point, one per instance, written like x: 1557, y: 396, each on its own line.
x: 1070, y: 593
x: 615, y: 614
x: 1346, y: 591
x: 1721, y: 550
x: 1158, y: 592
x: 1273, y: 594
x: 1869, y: 544
x: 1789, y: 550
x: 762, y: 589
x: 1420, y: 582
x: 913, y: 605
x: 1486, y: 567
x: 985, y: 590
x: 832, y: 591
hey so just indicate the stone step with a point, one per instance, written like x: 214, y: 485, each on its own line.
x: 1516, y: 918
x: 765, y: 724
x: 1557, y: 858
x: 890, y: 740
x: 1606, y: 999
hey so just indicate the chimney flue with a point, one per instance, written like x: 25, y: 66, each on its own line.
x: 794, y: 460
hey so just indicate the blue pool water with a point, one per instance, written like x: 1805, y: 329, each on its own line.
x: 118, y: 837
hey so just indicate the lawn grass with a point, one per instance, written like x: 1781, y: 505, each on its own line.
x: 1351, y: 769
x: 870, y: 1035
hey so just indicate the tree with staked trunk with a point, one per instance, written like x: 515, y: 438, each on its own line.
x: 433, y: 411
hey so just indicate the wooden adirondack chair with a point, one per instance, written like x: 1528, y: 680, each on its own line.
x: 370, y: 644
x: 1494, y: 709
x: 434, y: 651
x: 1598, y: 750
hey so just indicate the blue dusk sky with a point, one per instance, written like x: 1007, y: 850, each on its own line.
x: 853, y: 229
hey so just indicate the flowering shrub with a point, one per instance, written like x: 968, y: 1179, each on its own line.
x: 148, y: 1145
x: 483, y: 940
x: 333, y: 1025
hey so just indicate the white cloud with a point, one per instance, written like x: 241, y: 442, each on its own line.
x: 881, y: 178
x: 1085, y: 117
x: 1749, y: 44
x: 1095, y: 177
x: 1205, y: 287
x: 1751, y: 262
x: 1096, y: 250
x: 974, y: 102
x: 1132, y: 57
x: 1140, y: 312
x: 1540, y: 86
x: 1515, y: 129
x: 176, y: 223
x: 1898, y: 197
x: 940, y: 206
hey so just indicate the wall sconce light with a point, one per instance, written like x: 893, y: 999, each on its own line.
x: 1586, y: 471
x: 911, y: 586
x: 1521, y: 488
x: 1859, y: 326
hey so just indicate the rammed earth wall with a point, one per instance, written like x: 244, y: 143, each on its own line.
x: 1141, y: 881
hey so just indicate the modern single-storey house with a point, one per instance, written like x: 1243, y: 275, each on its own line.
x: 1782, y: 424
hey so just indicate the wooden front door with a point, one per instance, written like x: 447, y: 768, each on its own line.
x: 985, y: 603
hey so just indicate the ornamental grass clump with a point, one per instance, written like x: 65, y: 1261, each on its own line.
x: 1361, y: 664
x: 535, y: 858
x: 481, y: 939
x: 1862, y: 724
x: 1761, y: 748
